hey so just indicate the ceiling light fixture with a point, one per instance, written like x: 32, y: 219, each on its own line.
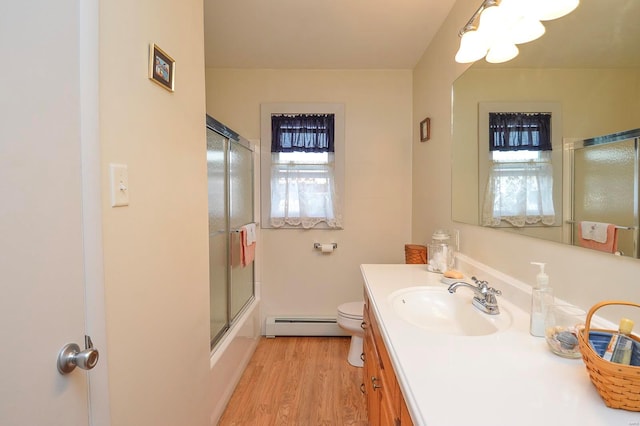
x: 498, y: 25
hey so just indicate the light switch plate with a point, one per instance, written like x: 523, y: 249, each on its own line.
x: 119, y: 185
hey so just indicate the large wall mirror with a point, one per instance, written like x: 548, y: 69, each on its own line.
x: 584, y: 72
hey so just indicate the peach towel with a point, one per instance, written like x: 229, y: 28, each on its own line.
x: 610, y: 245
x: 247, y: 251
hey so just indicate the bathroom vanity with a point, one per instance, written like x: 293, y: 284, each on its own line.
x: 480, y: 371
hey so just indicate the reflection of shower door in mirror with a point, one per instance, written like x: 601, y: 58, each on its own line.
x: 605, y: 190
x: 218, y: 233
x: 240, y: 213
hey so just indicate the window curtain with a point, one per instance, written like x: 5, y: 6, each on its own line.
x: 303, y: 192
x: 520, y: 193
x: 519, y: 131
x: 302, y: 133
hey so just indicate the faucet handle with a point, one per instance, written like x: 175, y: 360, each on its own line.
x: 492, y: 290
x: 483, y: 286
x: 488, y: 292
x: 479, y: 282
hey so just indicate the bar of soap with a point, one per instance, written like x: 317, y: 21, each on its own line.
x: 452, y: 273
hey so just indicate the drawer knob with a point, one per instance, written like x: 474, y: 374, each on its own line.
x: 374, y: 383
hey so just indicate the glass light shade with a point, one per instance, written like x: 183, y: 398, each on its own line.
x: 502, y: 51
x: 493, y: 23
x: 546, y: 10
x: 526, y: 29
x: 517, y: 7
x: 473, y: 46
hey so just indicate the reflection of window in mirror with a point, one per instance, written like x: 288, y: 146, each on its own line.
x: 519, y: 185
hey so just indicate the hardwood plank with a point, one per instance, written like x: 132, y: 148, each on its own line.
x: 298, y: 381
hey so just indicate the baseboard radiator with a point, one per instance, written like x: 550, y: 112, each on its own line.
x: 302, y: 326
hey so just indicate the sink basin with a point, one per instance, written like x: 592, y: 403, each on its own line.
x: 436, y: 310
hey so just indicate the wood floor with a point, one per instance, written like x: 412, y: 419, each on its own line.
x: 298, y: 381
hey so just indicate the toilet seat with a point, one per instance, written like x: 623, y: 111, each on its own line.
x: 351, y: 310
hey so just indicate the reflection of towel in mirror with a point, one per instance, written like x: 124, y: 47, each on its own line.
x: 595, y: 231
x: 598, y: 236
x: 251, y: 233
x: 247, y: 251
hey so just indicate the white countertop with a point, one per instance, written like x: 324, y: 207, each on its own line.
x: 509, y: 378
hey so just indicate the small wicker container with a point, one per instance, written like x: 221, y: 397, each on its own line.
x: 617, y: 384
x: 415, y: 253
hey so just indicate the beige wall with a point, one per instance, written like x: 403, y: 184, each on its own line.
x: 155, y: 250
x: 613, y: 99
x: 580, y: 276
x: 296, y: 279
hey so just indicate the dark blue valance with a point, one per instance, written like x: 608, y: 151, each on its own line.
x: 519, y: 131
x: 302, y: 133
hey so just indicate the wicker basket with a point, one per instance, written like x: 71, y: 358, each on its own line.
x: 414, y: 253
x: 618, y: 384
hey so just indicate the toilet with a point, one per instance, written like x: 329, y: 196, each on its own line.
x: 350, y: 320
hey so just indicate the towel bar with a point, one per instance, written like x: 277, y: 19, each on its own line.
x: 238, y: 229
x: 628, y: 228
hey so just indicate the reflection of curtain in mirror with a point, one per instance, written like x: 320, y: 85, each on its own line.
x: 520, y: 192
x: 520, y: 185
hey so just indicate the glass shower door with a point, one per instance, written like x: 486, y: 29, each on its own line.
x: 240, y: 213
x: 604, y: 185
x: 218, y: 232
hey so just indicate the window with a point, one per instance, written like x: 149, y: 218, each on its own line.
x: 302, y: 166
x: 519, y: 190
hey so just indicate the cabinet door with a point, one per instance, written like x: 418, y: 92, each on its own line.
x: 385, y: 403
x: 387, y: 412
x: 405, y: 417
x: 371, y: 379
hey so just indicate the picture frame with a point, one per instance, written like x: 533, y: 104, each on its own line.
x: 162, y: 68
x: 425, y: 130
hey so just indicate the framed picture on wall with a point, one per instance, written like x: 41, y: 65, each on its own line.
x: 425, y: 130
x: 162, y: 68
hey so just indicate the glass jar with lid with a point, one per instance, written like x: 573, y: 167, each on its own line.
x: 440, y: 252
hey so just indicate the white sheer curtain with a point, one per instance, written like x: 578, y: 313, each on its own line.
x: 520, y: 192
x: 303, y: 191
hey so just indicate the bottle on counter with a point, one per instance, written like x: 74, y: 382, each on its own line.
x: 541, y: 299
x: 620, y: 346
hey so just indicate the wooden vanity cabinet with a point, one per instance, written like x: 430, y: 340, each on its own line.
x: 385, y: 403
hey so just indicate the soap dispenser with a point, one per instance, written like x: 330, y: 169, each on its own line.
x: 541, y: 299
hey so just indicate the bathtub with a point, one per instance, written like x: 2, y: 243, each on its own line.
x: 230, y: 356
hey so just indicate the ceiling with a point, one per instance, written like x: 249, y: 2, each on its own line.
x: 320, y: 34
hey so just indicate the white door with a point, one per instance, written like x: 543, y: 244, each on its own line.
x: 42, y: 303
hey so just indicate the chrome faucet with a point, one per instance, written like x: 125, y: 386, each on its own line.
x: 484, y: 297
